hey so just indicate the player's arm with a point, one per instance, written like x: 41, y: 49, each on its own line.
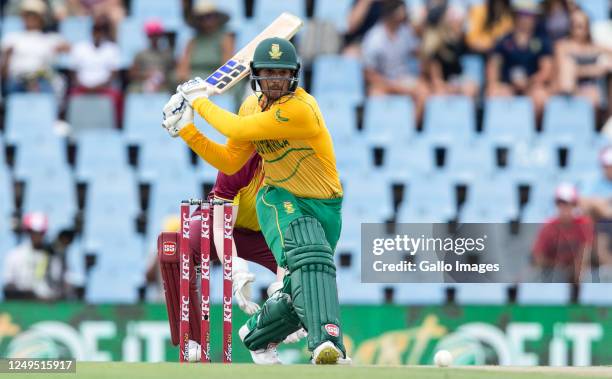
x: 293, y: 120
x: 227, y: 158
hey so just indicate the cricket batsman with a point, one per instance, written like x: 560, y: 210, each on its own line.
x: 299, y: 204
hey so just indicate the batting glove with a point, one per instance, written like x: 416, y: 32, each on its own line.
x: 177, y: 115
x: 194, y: 89
x: 241, y: 282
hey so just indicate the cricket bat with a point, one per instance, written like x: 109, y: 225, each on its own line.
x: 234, y: 70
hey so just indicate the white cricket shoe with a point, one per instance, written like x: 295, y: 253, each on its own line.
x: 268, y: 356
x: 195, y: 353
x: 326, y: 354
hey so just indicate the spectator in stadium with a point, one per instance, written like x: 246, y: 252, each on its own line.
x: 390, y: 52
x: 522, y: 63
x: 562, y: 249
x: 30, y: 267
x: 582, y: 66
x: 487, y: 23
x: 363, y: 16
x: 151, y: 70
x: 442, y: 48
x: 211, y: 46
x: 556, y: 17
x: 113, y: 10
x: 27, y: 56
x: 96, y: 63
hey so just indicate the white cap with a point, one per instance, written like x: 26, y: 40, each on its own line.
x: 566, y: 192
x: 34, y: 6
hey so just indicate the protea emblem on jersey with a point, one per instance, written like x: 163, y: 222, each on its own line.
x: 275, y: 52
x: 288, y: 207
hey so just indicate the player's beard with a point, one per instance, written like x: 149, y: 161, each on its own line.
x: 274, y: 92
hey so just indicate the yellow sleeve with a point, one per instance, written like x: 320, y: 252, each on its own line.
x: 476, y: 21
x: 227, y: 158
x: 292, y: 119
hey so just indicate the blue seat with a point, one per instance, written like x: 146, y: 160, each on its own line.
x: 481, y: 293
x: 473, y: 68
x: 449, y: 119
x: 420, y: 293
x: 404, y: 162
x: 166, y: 194
x: 429, y: 198
x: 170, y: 12
x: 490, y: 201
x: 29, y: 116
x: 90, y: 112
x: 76, y: 29
x: 465, y: 162
x: 597, y: 10
x: 568, y: 120
x: 352, y: 157
x: 596, y: 294
x: 541, y: 202
x: 335, y: 12
x: 389, y: 120
x: 139, y: 121
x: 581, y: 159
x: 100, y: 151
x: 352, y: 291
x: 39, y: 154
x: 340, y: 118
x: 532, y: 161
x: 265, y: 11
x: 237, y: 12
x: 6, y: 191
x: 54, y: 193
x: 156, y: 157
x: 503, y: 130
x: 334, y: 75
x: 11, y: 24
x: 358, y: 198
x: 131, y: 39
x: 111, y: 286
x: 543, y: 293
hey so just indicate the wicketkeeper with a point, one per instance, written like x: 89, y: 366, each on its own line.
x: 299, y: 204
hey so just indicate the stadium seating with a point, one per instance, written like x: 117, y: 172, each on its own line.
x: 597, y: 10
x: 543, y: 293
x: 76, y: 29
x: 236, y: 10
x: 449, y: 120
x: 29, y: 116
x: 506, y: 131
x: 138, y: 121
x: 334, y: 12
x: 597, y: 294
x: 466, y: 162
x: 430, y: 199
x: 338, y: 76
x: 265, y: 11
x: 54, y: 193
x: 389, y: 120
x: 38, y: 155
x: 90, y: 112
x: 99, y: 152
x: 11, y: 24
x: 568, y: 121
x: 490, y: 201
x: 481, y: 293
x: 131, y: 39
x: 168, y: 11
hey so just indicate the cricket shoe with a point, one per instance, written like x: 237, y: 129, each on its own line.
x: 195, y: 353
x: 326, y: 354
x: 268, y: 356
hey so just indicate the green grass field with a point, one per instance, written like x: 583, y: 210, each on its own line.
x: 249, y: 371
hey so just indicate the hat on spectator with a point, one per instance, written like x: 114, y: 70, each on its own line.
x: 207, y: 8
x: 527, y: 7
x: 605, y: 157
x: 567, y: 193
x: 34, y: 6
x: 153, y: 28
x: 35, y: 222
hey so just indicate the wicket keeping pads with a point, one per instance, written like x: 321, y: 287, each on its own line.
x: 310, y: 261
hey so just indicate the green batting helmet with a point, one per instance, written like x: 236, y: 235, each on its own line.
x: 275, y: 53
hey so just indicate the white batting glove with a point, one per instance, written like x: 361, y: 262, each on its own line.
x: 241, y: 283
x: 296, y: 336
x: 177, y: 114
x: 194, y: 89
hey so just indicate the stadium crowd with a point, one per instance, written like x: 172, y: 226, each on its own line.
x: 417, y: 48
